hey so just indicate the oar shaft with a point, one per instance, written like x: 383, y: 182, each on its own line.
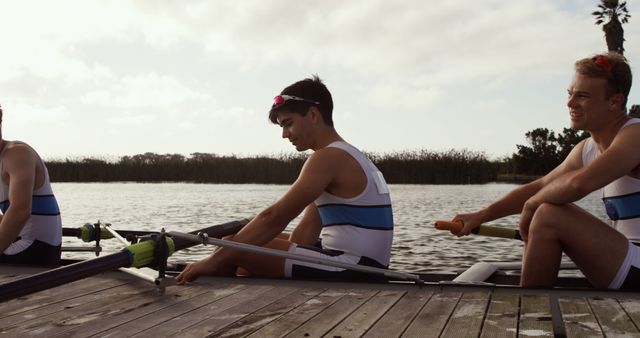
x: 483, y: 230
x: 62, y: 275
x: 80, y: 270
x: 116, y: 234
x: 298, y: 257
x: 78, y: 232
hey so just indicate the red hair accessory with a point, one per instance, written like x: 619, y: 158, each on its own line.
x: 603, y: 62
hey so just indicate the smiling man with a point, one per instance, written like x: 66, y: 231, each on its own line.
x: 607, y: 254
x: 347, y: 208
x: 31, y: 227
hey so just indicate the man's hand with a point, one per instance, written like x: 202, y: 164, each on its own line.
x: 469, y: 222
x: 204, y: 267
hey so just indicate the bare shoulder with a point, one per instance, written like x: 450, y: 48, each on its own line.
x: 626, y: 142
x: 328, y: 155
x: 631, y: 131
x: 18, y: 155
x: 19, y: 150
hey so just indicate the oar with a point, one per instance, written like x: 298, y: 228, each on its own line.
x: 88, y: 234
x: 483, y: 230
x: 204, y: 239
x: 135, y: 255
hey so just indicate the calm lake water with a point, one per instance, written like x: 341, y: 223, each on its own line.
x: 418, y: 247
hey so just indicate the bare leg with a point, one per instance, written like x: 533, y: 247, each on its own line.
x: 263, y: 265
x: 594, y: 246
x: 242, y: 272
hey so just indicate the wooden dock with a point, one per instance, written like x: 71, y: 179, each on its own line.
x: 118, y: 305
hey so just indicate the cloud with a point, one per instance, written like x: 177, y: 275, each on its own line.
x: 207, y: 69
x: 131, y: 120
x: 145, y: 91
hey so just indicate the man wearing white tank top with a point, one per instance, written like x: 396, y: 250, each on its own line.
x: 607, y: 253
x: 30, y: 227
x: 347, y: 208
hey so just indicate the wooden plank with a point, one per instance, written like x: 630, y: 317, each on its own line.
x: 613, y: 320
x: 578, y: 319
x: 361, y: 320
x: 501, y: 320
x: 135, y: 309
x: 332, y: 315
x: 396, y: 320
x: 22, y: 314
x: 301, y: 314
x: 58, y: 294
x: 76, y: 311
x: 4, y: 278
x: 169, y: 320
x: 221, y: 320
x: 467, y: 318
x: 434, y: 315
x: 632, y: 307
x: 535, y: 316
x: 267, y: 314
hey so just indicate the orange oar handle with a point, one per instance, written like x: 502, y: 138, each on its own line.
x: 451, y: 226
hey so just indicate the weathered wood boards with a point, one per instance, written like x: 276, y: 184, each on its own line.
x: 114, y: 304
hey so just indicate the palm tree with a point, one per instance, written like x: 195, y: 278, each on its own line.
x: 618, y: 14
x: 614, y: 34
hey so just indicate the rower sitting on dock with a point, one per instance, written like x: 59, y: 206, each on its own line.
x: 347, y: 208
x: 31, y: 227
x: 609, y: 256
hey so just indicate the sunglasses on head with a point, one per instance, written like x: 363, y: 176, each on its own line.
x: 282, y: 99
x: 603, y: 62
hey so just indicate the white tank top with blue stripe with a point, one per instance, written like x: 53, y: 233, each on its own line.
x: 45, y: 223
x: 621, y: 197
x: 362, y: 225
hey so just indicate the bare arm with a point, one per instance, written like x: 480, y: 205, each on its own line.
x: 513, y: 202
x: 317, y: 173
x: 308, y: 231
x: 20, y: 167
x: 616, y: 161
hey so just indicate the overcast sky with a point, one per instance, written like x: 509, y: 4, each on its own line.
x: 113, y: 78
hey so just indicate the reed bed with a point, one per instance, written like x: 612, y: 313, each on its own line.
x: 408, y: 167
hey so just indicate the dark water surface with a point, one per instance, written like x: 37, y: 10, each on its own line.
x: 418, y: 247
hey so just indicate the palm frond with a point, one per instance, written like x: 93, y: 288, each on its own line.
x: 599, y: 22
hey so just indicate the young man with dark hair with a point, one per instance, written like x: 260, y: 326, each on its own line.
x: 607, y: 254
x: 30, y: 227
x: 346, y: 203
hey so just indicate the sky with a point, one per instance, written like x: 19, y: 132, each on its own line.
x: 113, y: 78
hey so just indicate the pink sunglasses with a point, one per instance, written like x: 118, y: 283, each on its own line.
x: 282, y: 99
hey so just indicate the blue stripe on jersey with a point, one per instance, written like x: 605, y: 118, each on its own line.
x: 376, y: 217
x: 623, y: 207
x: 44, y: 205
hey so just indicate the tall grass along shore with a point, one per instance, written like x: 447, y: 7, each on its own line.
x: 408, y: 167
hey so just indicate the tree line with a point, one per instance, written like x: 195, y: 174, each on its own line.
x: 415, y: 167
x: 544, y: 151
